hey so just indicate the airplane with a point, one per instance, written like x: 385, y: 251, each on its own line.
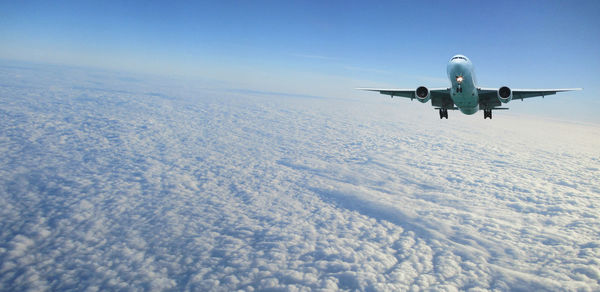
x: 464, y: 95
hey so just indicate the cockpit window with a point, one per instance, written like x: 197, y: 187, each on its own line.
x: 459, y: 57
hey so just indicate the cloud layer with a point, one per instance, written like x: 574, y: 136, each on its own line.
x: 113, y: 182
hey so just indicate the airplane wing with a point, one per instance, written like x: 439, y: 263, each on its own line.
x: 524, y: 93
x: 409, y: 93
x: 488, y: 97
x: 440, y: 97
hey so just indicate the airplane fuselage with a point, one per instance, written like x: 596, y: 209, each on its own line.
x: 464, y: 90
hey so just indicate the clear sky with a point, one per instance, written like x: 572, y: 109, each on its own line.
x: 316, y: 47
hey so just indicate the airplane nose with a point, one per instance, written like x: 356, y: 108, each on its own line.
x: 461, y: 65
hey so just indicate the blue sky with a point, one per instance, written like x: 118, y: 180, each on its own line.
x: 312, y: 47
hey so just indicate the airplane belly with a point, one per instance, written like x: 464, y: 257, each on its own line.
x: 468, y: 110
x: 467, y: 101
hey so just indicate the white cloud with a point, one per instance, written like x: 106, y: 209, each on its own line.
x: 111, y: 183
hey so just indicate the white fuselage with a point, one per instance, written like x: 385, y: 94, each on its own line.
x: 464, y: 90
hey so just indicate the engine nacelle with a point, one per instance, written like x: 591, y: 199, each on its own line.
x: 422, y: 94
x: 505, y: 94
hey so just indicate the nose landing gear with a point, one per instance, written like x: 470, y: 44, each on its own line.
x: 459, y: 80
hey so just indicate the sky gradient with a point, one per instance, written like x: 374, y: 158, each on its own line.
x: 317, y: 48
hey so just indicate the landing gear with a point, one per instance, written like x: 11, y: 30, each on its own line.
x: 443, y: 113
x: 487, y: 114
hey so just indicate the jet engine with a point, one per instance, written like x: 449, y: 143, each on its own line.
x: 422, y: 94
x: 505, y: 94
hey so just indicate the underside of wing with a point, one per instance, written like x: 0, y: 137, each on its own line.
x: 410, y: 93
x: 525, y: 93
x: 440, y: 97
x: 489, y: 97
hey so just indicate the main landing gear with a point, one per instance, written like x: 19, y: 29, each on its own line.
x: 487, y: 114
x: 443, y: 113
